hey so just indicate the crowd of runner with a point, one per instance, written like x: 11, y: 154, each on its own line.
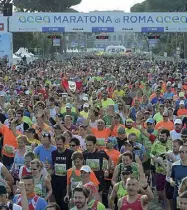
x: 93, y: 133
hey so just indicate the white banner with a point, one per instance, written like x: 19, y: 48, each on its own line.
x: 98, y: 22
x: 3, y: 24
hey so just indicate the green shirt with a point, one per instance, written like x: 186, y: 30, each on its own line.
x: 158, y: 117
x: 159, y: 148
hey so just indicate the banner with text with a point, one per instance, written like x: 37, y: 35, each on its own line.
x: 98, y: 22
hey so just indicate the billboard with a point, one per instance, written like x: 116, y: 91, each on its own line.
x: 3, y: 24
x: 98, y: 22
x: 6, y: 49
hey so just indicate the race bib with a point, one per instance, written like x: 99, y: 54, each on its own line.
x: 100, y: 142
x: 60, y: 169
x: 94, y: 164
x: 105, y: 165
x: 38, y: 189
x: 9, y: 149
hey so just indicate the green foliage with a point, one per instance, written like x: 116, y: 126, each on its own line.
x: 45, y: 5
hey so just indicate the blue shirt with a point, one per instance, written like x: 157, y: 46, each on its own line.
x: 168, y: 95
x: 41, y: 203
x: 156, y: 99
x: 178, y: 172
x: 178, y: 101
x: 44, y: 153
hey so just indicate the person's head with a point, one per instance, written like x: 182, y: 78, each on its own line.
x: 105, y: 95
x: 183, y: 152
x: 132, y: 137
x: 31, y: 133
x: 167, y: 103
x: 77, y: 158
x: 118, y: 87
x: 85, y: 173
x: 29, y: 156
x: 136, y: 102
x: 68, y: 136
x: 28, y: 181
x: 184, y: 135
x: 178, y: 124
x: 183, y: 201
x: 111, y: 142
x: 80, y: 196
x: 121, y: 133
x: 74, y: 144
x: 3, y: 195
x: 182, y: 104
x: 181, y: 96
x: 132, y: 186
x: 68, y: 120
x: 51, y: 101
x: 46, y: 140
x: 176, y: 145
x: 90, y: 143
x: 164, y: 135
x: 158, y: 92
x: 53, y: 206
x: 82, y: 130
x: 60, y: 142
x: 126, y: 173
x: 100, y: 124
x: 129, y: 146
x: 86, y: 107
x: 117, y: 118
x: 19, y: 115
x: 150, y: 124
x: 170, y: 111
x: 11, y: 114
x: 36, y: 167
x: 68, y: 108
x: 127, y: 158
x: 165, y: 116
x: 22, y: 140
x: 161, y: 108
x: 129, y: 123
x: 57, y: 130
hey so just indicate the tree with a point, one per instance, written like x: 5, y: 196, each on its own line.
x: 45, y: 5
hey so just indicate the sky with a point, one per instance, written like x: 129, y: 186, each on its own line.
x: 102, y: 5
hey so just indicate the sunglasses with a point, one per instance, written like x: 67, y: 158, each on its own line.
x: 149, y: 123
x: 72, y: 145
x: 183, y: 152
x: 46, y: 135
x: 34, y: 169
x: 126, y: 173
x: 165, y: 116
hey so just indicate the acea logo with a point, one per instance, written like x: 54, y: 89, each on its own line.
x: 34, y: 19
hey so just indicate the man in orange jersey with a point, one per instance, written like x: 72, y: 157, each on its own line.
x: 166, y: 123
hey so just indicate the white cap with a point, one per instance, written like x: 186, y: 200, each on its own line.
x: 168, y: 83
x: 85, y: 98
x: 181, y: 102
x: 178, y: 121
x: 86, y: 105
x: 86, y: 168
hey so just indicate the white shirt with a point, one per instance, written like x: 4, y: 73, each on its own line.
x: 174, y: 135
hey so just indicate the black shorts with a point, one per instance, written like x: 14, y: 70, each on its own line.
x: 169, y: 191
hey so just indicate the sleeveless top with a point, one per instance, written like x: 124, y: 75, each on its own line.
x: 121, y: 192
x: 132, y: 206
x: 40, y: 188
x: 74, y: 180
x: 25, y: 171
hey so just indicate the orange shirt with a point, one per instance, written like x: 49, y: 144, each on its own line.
x: 93, y: 178
x: 114, y: 132
x: 113, y: 154
x: 9, y: 141
x: 167, y: 125
x: 182, y: 112
x: 101, y: 136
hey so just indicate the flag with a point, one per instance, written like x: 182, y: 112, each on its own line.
x: 71, y: 85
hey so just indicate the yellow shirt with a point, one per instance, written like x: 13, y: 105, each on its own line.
x: 133, y: 130
x: 120, y: 93
x: 106, y: 103
x: 84, y: 114
x: 63, y: 109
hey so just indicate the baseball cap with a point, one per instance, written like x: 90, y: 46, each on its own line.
x: 85, y: 98
x: 86, y: 168
x: 181, y: 102
x: 178, y: 121
x: 112, y: 140
x: 80, y: 121
x: 121, y: 130
x: 181, y: 94
x: 168, y: 84
x: 86, y: 105
x: 150, y: 120
x: 68, y: 105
